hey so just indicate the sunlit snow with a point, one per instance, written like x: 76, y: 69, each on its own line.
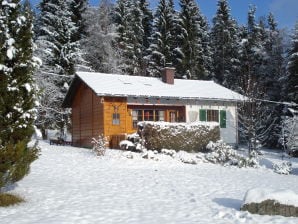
x: 72, y: 185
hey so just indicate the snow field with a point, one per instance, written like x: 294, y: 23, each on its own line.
x: 71, y: 185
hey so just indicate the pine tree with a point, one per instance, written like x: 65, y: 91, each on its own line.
x: 61, y: 57
x: 255, y: 115
x: 17, y: 98
x: 206, y: 44
x: 147, y: 21
x: 122, y: 18
x: 57, y: 31
x: 133, y: 20
x: 147, y: 25
x: 161, y: 50
x: 292, y: 68
x: 274, y: 77
x: 78, y: 8
x: 136, y: 38
x: 190, y: 42
x: 224, y: 36
x: 99, y: 43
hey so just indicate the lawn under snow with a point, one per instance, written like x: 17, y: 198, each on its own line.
x: 72, y: 185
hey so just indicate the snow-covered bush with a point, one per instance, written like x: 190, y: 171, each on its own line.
x: 186, y: 157
x: 99, y: 145
x: 221, y: 153
x: 179, y: 136
x: 251, y: 161
x: 169, y: 152
x: 283, y: 168
x: 127, y: 145
x: 224, y: 154
x: 137, y: 143
x: 128, y: 155
x: 150, y: 155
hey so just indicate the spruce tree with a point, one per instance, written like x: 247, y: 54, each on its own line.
x: 147, y: 21
x: 161, y: 50
x: 224, y: 39
x: 133, y: 21
x: 136, y: 38
x: 61, y: 57
x: 189, y: 41
x: 147, y: 25
x: 99, y: 43
x: 255, y: 115
x: 292, y: 68
x: 125, y: 35
x: 78, y: 8
x: 17, y: 98
x: 274, y: 77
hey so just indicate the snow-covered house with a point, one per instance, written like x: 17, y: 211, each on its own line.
x: 112, y: 105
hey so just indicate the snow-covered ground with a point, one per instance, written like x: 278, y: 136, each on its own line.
x: 72, y: 186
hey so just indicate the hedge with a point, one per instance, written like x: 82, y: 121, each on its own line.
x: 191, y: 137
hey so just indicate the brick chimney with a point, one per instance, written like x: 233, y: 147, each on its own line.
x: 167, y: 75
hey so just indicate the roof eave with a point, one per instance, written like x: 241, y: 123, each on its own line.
x: 170, y: 97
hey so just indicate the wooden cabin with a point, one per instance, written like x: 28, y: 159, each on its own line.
x: 112, y: 105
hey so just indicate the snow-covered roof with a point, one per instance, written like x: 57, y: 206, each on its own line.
x: 139, y: 86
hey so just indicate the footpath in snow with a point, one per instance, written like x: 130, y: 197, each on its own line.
x: 70, y: 185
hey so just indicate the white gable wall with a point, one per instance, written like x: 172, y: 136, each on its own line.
x: 228, y: 134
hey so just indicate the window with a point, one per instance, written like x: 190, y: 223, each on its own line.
x: 137, y: 115
x: 116, y: 119
x: 212, y: 115
x: 215, y: 116
x: 159, y: 115
x: 147, y: 115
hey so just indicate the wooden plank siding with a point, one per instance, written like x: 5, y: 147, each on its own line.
x: 87, y: 117
x: 115, y: 105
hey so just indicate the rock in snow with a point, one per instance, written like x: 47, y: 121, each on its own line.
x: 257, y: 195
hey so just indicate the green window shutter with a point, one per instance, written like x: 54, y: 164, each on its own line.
x: 203, y: 116
x: 223, y: 119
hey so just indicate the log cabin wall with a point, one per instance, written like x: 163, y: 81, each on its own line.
x: 87, y: 117
x: 115, y: 119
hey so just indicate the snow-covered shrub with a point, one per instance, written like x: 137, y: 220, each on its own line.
x: 128, y: 155
x: 150, y: 155
x: 99, y: 145
x: 224, y: 154
x: 179, y: 136
x: 135, y: 137
x: 186, y: 157
x: 169, y: 152
x: 221, y: 153
x: 283, y: 168
x: 127, y: 145
x: 138, y: 143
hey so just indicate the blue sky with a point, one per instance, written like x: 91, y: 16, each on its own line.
x: 285, y: 11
